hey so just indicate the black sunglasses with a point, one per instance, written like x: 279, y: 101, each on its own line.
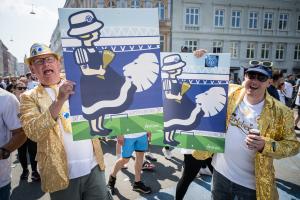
x: 258, y: 76
x: 22, y: 88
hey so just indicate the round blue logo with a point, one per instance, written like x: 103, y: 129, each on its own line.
x: 89, y: 18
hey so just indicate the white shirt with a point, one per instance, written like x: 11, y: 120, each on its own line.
x: 32, y: 84
x: 288, y: 89
x: 135, y: 135
x: 237, y: 161
x: 80, y: 154
x: 9, y: 120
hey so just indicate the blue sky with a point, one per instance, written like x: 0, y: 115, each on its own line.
x: 23, y: 28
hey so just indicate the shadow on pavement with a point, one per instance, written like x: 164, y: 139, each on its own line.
x: 27, y: 190
x: 205, y: 181
x: 290, y: 188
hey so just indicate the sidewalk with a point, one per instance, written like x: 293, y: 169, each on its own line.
x: 163, y: 180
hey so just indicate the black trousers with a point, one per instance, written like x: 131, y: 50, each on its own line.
x: 31, y: 147
x: 191, y: 169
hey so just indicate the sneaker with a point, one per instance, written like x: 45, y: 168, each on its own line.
x: 147, y: 165
x: 111, y: 184
x: 149, y: 156
x: 24, y: 175
x: 167, y: 153
x: 35, y: 176
x: 140, y: 187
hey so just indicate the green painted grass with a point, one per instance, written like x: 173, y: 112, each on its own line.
x: 154, y: 124
x: 122, y: 125
x: 213, y: 144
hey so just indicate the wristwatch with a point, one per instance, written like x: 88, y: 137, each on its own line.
x: 4, y: 153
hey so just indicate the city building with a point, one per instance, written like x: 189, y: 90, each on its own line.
x: 263, y: 30
x: 8, y: 62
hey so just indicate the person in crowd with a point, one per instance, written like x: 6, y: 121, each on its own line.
x: 259, y: 129
x: 29, y: 145
x: 281, y: 91
x: 12, y: 136
x: 66, y: 172
x: 297, y: 103
x: 289, y: 93
x: 2, y: 84
x: 272, y: 89
x: 137, y: 142
x: 31, y: 83
x: 13, y: 82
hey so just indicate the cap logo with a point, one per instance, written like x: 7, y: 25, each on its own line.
x: 89, y: 18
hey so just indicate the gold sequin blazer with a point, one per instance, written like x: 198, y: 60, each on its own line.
x: 276, y: 125
x: 40, y: 127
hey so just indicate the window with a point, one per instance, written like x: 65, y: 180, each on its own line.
x: 250, y: 50
x: 298, y: 24
x: 283, y: 18
x: 192, y: 45
x: 297, y: 52
x: 110, y: 4
x: 192, y: 16
x: 162, y: 42
x: 236, y: 19
x: 279, y: 51
x: 265, y: 51
x: 268, y: 20
x: 217, y: 46
x: 234, y: 49
x: 161, y: 10
x: 253, y: 17
x: 135, y: 4
x: 219, y: 18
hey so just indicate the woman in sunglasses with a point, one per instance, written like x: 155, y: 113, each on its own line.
x: 29, y: 145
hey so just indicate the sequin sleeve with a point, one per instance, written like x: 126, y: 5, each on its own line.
x: 36, y: 123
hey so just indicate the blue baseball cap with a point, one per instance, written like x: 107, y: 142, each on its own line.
x: 260, y: 69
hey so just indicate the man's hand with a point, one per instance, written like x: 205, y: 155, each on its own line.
x: 65, y: 90
x: 199, y: 53
x: 120, y: 140
x: 255, y: 142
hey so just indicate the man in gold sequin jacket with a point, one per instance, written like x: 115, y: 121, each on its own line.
x: 69, y: 169
x: 245, y: 169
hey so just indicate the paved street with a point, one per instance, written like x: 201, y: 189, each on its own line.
x: 164, y: 179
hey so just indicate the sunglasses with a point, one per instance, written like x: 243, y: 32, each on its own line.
x: 264, y: 63
x: 21, y: 88
x: 253, y: 75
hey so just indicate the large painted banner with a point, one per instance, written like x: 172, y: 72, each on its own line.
x: 194, y: 101
x: 113, y: 57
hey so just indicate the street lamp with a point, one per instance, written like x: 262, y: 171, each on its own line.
x: 32, y: 11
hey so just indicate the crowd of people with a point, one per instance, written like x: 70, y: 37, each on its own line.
x: 260, y: 128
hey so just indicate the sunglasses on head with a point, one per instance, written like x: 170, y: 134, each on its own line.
x: 21, y: 88
x: 264, y: 63
x: 257, y: 76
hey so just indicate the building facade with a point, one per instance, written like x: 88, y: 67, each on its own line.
x: 8, y: 62
x: 263, y: 30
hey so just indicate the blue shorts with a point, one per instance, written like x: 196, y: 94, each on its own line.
x: 139, y: 144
